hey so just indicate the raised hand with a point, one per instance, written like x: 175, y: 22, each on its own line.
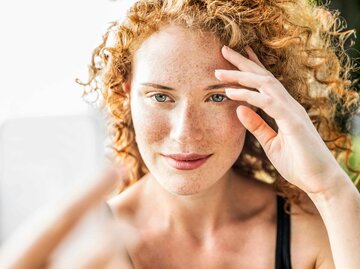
x: 296, y: 150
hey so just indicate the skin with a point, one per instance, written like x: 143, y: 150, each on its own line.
x: 212, y: 217
x: 189, y: 120
x: 44, y: 243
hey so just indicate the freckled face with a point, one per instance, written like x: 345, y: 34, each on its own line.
x: 187, y: 119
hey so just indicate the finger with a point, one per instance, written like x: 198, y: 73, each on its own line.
x: 257, y: 126
x: 97, y: 257
x: 241, y: 62
x: 247, y: 79
x: 263, y: 83
x: 100, y: 260
x: 94, y: 259
x: 91, y: 259
x: 32, y: 244
x: 251, y: 97
x: 252, y: 56
x: 259, y: 100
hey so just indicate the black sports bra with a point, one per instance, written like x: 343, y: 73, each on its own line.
x: 282, y: 258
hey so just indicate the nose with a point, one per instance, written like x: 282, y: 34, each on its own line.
x: 187, y: 125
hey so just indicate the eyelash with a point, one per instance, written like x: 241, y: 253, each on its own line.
x: 157, y: 94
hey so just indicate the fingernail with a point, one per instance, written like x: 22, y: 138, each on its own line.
x: 226, y: 47
x: 217, y: 72
x: 230, y: 91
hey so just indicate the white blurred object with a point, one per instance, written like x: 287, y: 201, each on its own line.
x: 43, y: 157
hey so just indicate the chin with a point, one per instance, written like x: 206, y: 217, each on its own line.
x: 187, y: 189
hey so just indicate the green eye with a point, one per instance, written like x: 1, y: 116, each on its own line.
x: 218, y: 98
x: 161, y: 98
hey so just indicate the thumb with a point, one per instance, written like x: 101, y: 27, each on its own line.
x: 256, y: 125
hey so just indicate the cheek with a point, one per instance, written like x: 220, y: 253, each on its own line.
x: 224, y: 126
x: 150, y: 125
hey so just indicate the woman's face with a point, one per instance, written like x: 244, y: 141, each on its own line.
x: 188, y: 118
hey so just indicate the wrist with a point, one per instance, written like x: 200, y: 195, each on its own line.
x: 342, y: 186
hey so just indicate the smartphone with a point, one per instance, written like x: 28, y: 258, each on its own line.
x: 42, y: 158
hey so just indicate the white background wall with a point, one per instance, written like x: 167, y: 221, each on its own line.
x: 44, y: 46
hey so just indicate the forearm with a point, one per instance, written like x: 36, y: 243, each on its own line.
x: 340, y: 211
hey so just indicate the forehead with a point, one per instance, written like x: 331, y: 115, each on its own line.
x: 179, y: 54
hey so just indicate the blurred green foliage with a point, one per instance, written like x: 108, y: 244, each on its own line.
x: 355, y: 157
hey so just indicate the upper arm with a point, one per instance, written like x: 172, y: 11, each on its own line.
x: 324, y: 259
x: 311, y: 238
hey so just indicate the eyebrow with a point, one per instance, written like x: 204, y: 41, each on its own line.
x: 211, y: 87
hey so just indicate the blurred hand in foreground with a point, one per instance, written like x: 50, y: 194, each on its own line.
x: 79, y: 232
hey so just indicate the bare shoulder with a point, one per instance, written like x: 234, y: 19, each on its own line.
x: 309, y: 237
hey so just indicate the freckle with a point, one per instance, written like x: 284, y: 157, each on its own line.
x: 196, y: 187
x: 189, y: 188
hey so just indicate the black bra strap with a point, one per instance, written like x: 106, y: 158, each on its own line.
x: 282, y: 257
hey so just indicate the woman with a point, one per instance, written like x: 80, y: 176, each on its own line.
x: 210, y: 123
x: 167, y: 63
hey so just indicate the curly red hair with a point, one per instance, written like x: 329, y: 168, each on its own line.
x: 300, y: 43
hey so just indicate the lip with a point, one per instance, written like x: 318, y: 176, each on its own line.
x: 186, y: 161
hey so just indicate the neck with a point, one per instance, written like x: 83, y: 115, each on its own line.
x: 197, y: 214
